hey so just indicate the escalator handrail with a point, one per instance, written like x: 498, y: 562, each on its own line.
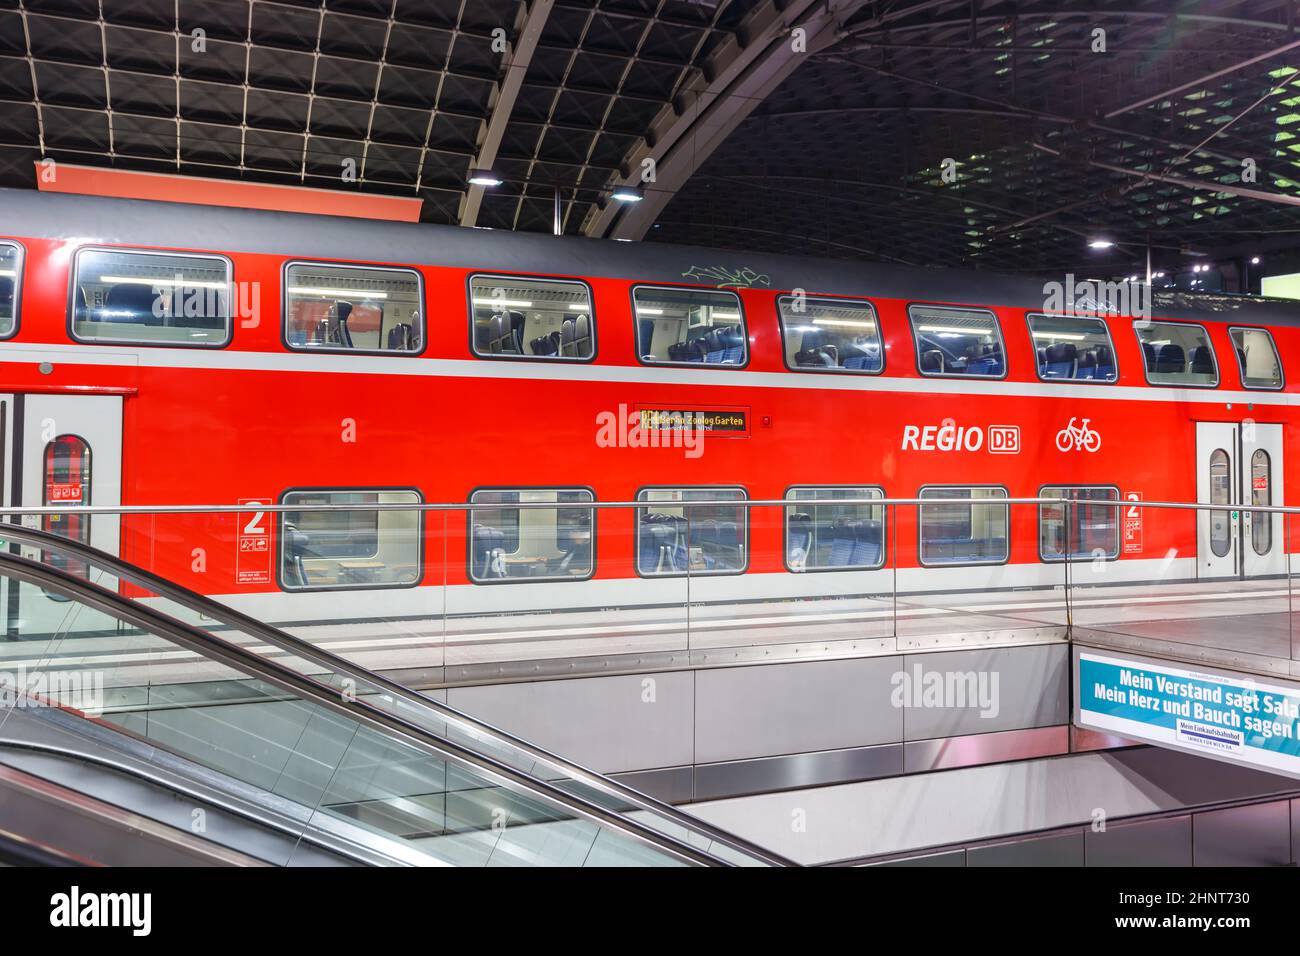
x: 356, y: 708
x: 206, y: 606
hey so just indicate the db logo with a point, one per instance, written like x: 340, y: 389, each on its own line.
x: 1004, y: 439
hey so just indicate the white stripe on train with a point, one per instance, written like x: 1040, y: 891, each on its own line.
x: 228, y: 359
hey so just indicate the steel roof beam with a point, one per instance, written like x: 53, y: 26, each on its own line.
x: 528, y: 28
x: 738, y: 77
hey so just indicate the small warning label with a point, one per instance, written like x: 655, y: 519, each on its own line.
x: 253, y: 545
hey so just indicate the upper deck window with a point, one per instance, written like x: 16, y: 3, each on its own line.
x: 687, y: 326
x: 1073, y: 348
x: 11, y: 280
x: 1257, y: 358
x: 516, y: 317
x: 151, y: 298
x: 952, y: 341
x: 1177, y: 353
x: 834, y: 334
x: 352, y: 308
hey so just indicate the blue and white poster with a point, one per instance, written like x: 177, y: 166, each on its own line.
x: 1234, y: 717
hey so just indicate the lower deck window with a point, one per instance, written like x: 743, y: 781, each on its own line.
x: 1086, y: 529
x: 959, y: 533
x: 67, y: 483
x: 824, y: 537
x: 534, y: 544
x: 707, y: 538
x: 358, y: 547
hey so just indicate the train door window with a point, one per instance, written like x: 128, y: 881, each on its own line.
x: 707, y: 538
x: 689, y: 326
x: 151, y: 298
x: 1220, y: 494
x: 331, y: 307
x: 1261, y: 496
x: 1073, y: 348
x: 951, y: 341
x: 1091, y: 529
x: 66, y: 483
x: 1257, y: 358
x: 11, y: 280
x: 830, y: 334
x: 356, y: 547
x: 975, y: 533
x: 1177, y: 353
x: 516, y: 317
x: 510, y: 543
x: 834, y: 537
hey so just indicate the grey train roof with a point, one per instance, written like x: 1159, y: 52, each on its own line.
x: 221, y: 229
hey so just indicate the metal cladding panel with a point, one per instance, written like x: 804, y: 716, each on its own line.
x: 177, y: 225
x: 795, y: 708
x: 1166, y: 842
x: 611, y: 724
x: 1027, y: 687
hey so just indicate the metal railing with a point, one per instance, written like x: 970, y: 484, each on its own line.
x: 357, y: 708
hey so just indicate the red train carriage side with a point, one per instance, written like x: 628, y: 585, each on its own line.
x: 157, y: 353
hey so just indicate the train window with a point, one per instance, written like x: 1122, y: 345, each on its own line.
x: 151, y: 298
x: 703, y: 539
x: 332, y: 307
x: 832, y: 537
x: 1257, y: 358
x: 964, y: 533
x: 11, y: 279
x: 515, y: 317
x: 1177, y: 353
x: 1073, y: 348
x: 509, y: 543
x: 67, y: 483
x: 1261, y: 496
x: 356, y: 547
x: 687, y: 326
x: 952, y: 341
x: 1092, y: 530
x: 830, y: 334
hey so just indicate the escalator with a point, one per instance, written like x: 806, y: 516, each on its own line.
x: 166, y: 727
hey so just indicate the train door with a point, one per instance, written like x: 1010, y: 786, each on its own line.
x: 1263, y: 538
x: 1238, y: 464
x: 60, y: 449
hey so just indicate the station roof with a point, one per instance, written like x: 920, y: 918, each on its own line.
x: 773, y: 125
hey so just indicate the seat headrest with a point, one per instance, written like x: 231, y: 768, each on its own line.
x: 1062, y: 352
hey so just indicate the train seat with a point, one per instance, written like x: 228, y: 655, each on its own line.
x: 1062, y: 360
x: 867, y: 544
x: 798, y: 540
x: 932, y: 361
x: 844, y: 534
x: 733, y: 345
x: 691, y: 350
x: 987, y: 361
x: 582, y: 336
x: 401, y: 338
x: 1170, y: 359
x: 715, y: 350
x: 542, y: 345
x: 568, y: 337
x: 129, y: 302
x: 489, y: 552
x: 865, y: 358
x: 1202, y: 362
x: 645, y: 329
x: 342, y: 311
x: 1105, y: 363
x: 1087, y: 368
x: 1149, y: 356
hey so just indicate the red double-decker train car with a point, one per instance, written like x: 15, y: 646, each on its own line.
x: 157, y: 353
